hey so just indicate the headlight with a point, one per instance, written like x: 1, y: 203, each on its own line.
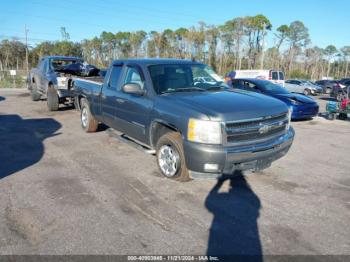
x: 295, y: 102
x: 201, y: 131
x: 290, y: 111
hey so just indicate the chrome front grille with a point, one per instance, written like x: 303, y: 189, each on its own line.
x: 256, y: 130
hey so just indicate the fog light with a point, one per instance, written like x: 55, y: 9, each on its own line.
x: 211, y: 167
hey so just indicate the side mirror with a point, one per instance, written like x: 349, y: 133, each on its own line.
x: 133, y: 88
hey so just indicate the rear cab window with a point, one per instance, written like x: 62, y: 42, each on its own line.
x: 114, y: 77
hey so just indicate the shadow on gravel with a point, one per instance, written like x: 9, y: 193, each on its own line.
x: 22, y: 141
x: 234, y: 230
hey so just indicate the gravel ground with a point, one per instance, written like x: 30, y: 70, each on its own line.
x: 64, y: 191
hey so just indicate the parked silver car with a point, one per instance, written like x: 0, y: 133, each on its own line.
x: 302, y: 86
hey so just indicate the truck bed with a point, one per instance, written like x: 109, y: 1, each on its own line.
x: 95, y: 79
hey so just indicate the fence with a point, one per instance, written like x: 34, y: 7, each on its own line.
x: 13, y: 78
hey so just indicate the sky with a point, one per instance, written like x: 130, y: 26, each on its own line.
x: 328, y: 21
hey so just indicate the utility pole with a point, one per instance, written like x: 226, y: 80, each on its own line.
x: 26, y: 39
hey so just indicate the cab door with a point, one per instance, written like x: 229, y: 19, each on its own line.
x: 133, y: 111
x: 108, y: 100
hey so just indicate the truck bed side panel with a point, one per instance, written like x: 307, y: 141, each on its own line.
x: 91, y: 91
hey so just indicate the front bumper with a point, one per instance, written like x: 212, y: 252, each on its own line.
x: 65, y: 93
x: 229, y: 159
x: 305, y: 111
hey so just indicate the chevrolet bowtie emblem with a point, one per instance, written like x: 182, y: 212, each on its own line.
x: 264, y: 129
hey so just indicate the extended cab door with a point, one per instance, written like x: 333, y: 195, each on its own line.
x: 109, y: 95
x: 133, y: 111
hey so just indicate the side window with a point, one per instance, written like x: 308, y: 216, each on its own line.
x: 281, y: 75
x: 114, y: 78
x: 236, y: 84
x: 274, y: 75
x: 251, y: 87
x: 133, y: 76
x: 41, y: 66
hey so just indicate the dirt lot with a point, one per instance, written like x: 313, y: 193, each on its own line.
x: 66, y: 192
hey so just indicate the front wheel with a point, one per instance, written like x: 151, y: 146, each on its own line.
x: 34, y: 95
x: 88, y: 122
x: 307, y: 92
x: 52, y: 99
x: 171, y: 157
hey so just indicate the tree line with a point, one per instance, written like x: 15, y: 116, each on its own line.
x: 240, y: 43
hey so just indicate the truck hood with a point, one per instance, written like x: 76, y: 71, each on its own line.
x: 229, y: 105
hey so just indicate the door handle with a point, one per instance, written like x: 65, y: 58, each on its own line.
x: 120, y: 100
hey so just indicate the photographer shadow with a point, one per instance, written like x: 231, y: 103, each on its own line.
x: 234, y: 230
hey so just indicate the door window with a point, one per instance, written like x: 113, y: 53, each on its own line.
x: 281, y: 75
x: 133, y: 76
x: 114, y: 78
x: 250, y: 86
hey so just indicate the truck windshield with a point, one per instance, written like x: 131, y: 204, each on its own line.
x: 185, y: 77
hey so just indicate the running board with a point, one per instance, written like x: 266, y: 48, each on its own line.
x: 124, y: 138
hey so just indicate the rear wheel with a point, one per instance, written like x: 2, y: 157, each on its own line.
x: 34, y: 95
x: 171, y: 157
x: 52, y: 99
x: 88, y: 122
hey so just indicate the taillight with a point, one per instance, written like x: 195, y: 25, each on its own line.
x: 270, y: 75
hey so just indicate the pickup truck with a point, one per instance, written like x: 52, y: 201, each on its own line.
x: 196, y: 129
x: 51, y: 79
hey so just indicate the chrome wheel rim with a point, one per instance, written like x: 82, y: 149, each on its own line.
x: 84, y: 117
x: 169, y: 160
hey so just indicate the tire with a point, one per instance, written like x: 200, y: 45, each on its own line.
x: 172, y: 141
x: 52, y: 99
x: 34, y: 95
x: 306, y: 92
x: 340, y: 96
x: 331, y: 116
x: 88, y: 122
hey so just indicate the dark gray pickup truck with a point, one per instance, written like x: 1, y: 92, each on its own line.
x: 198, y: 129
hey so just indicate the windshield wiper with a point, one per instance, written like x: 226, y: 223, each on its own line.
x: 184, y: 89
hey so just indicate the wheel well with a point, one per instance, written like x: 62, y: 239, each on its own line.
x: 158, y: 130
x: 78, y: 102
